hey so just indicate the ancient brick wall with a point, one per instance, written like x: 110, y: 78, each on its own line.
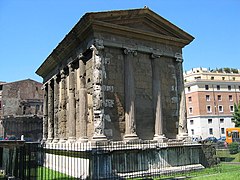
x: 22, y: 97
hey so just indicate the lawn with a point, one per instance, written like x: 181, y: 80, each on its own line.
x: 226, y: 171
x: 225, y: 156
x: 45, y: 173
x: 222, y: 171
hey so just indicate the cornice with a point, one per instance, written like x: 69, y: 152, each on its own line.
x: 209, y: 82
x: 92, y: 23
x: 138, y: 34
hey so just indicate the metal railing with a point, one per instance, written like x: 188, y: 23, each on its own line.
x: 105, y: 160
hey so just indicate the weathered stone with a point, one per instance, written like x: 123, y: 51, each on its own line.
x: 128, y: 83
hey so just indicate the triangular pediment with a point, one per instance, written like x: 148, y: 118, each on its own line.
x: 143, y: 20
x: 141, y: 24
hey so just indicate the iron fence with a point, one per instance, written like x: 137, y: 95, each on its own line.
x: 105, y: 160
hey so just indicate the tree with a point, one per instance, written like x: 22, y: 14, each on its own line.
x: 236, y: 115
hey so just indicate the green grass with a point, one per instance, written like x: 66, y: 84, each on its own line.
x: 224, y: 155
x: 45, y: 173
x: 219, y: 172
x: 227, y: 171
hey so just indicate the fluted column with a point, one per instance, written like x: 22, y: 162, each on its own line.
x: 182, y: 124
x: 50, y: 111
x: 45, y: 113
x: 98, y: 98
x: 82, y: 102
x: 56, y: 109
x: 130, y: 124
x: 157, y: 99
x: 72, y: 105
x: 62, y: 107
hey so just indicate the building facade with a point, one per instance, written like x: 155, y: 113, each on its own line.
x: 210, y: 98
x: 22, y: 109
x: 116, y: 75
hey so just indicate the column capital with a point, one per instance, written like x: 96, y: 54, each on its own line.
x: 179, y: 57
x: 55, y: 77
x: 62, y: 74
x: 71, y: 67
x: 79, y: 56
x: 98, y: 43
x: 44, y: 86
x: 127, y: 51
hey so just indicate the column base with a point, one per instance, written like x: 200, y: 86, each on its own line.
x: 55, y: 140
x: 71, y: 140
x: 99, y: 137
x: 82, y: 139
x: 160, y: 138
x: 62, y: 140
x: 49, y: 140
x: 130, y: 137
x: 183, y: 137
x: 44, y: 140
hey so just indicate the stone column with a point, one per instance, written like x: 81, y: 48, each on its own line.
x: 182, y: 124
x: 98, y: 99
x: 56, y: 108
x: 82, y: 103
x: 130, y: 124
x: 50, y: 111
x: 62, y: 108
x: 45, y: 113
x: 72, y: 105
x: 157, y: 99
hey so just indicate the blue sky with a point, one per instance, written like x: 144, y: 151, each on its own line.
x: 31, y: 29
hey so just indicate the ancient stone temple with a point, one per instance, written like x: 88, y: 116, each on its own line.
x: 116, y: 75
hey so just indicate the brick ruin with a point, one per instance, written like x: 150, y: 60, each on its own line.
x: 22, y: 110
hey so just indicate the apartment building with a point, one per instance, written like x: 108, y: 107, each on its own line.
x: 210, y: 98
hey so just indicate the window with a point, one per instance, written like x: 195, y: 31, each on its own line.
x: 189, y: 89
x: 222, y: 131
x: 37, y: 109
x: 209, y: 110
x: 231, y: 108
x: 221, y: 120
x: 24, y: 109
x: 198, y: 77
x: 220, y: 108
x: 212, y: 78
x: 206, y: 87
x: 209, y: 121
x: 219, y: 97
x: 233, y: 78
x: 191, y: 122
x: 218, y: 87
x: 210, y: 131
x: 230, y: 97
x: 239, y: 88
x: 190, y: 110
x: 1, y: 86
x: 192, y: 130
x: 0, y: 105
x: 207, y: 97
x: 189, y: 99
x: 223, y: 78
x: 229, y: 88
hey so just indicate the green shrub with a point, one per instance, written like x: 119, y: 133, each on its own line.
x: 233, y: 148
